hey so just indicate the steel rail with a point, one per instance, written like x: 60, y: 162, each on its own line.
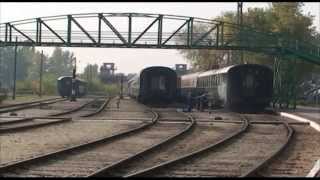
x: 26, y: 106
x: 75, y: 109
x: 252, y: 172
x: 18, y: 127
x: 244, y: 128
x: 16, y: 121
x: 110, y: 168
x: 26, y: 103
x: 6, y: 168
x: 101, y: 108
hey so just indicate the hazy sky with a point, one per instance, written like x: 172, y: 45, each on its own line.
x: 129, y: 60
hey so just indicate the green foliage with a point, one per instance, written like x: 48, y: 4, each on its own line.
x: 28, y: 68
x: 3, y: 95
x: 60, y: 63
x: 23, y: 86
x: 90, y: 72
x: 96, y: 86
x: 49, y: 86
x: 285, y: 19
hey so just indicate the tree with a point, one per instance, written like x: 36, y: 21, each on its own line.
x: 285, y: 19
x: 60, y: 63
x: 90, y: 72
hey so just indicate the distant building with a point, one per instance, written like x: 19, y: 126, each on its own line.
x: 181, y: 69
x: 107, y: 72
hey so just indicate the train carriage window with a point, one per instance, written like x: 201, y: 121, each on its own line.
x: 202, y: 82
x: 216, y: 79
x: 158, y: 83
x: 206, y: 81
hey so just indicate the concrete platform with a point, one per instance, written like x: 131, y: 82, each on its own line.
x: 311, y: 115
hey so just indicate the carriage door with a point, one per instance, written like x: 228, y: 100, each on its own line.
x: 249, y: 83
x: 158, y: 83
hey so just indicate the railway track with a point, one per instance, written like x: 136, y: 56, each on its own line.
x: 199, y: 135
x: 96, y: 102
x: 35, y: 122
x: 242, y: 156
x: 87, y: 158
x: 20, y: 106
x: 26, y: 103
x: 29, y: 123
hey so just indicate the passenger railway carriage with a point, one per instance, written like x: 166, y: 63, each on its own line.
x: 243, y: 87
x: 64, y: 86
x: 154, y: 85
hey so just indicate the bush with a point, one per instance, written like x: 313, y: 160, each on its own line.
x: 96, y: 85
x: 3, y: 95
x: 49, y: 84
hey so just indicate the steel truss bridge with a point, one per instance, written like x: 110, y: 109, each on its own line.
x: 140, y: 30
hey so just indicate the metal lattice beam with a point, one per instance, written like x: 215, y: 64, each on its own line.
x: 226, y: 35
x: 112, y: 28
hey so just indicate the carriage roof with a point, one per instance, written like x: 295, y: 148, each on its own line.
x: 216, y: 71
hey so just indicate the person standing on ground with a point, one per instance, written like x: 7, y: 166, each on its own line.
x: 118, y: 103
x: 189, y: 102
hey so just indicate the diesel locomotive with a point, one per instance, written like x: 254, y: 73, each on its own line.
x: 154, y: 84
x: 245, y: 87
x: 64, y: 86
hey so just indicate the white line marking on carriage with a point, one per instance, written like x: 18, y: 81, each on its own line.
x: 316, y: 168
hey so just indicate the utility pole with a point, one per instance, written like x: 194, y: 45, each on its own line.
x: 41, y: 70
x: 15, y: 70
x: 73, y: 83
x: 121, y: 86
x: 1, y: 68
x: 240, y: 23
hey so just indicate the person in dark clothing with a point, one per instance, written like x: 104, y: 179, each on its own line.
x: 118, y: 103
x: 202, y: 101
x: 189, y: 102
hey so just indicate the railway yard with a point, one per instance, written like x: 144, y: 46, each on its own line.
x: 103, y: 137
x: 223, y: 93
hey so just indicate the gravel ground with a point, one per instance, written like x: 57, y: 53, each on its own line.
x: 299, y: 157
x: 72, y: 164
x: 128, y: 109
x: 23, y: 99
x: 200, y: 136
x: 46, y: 110
x: 29, y: 123
x: 232, y: 159
x: 21, y: 145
